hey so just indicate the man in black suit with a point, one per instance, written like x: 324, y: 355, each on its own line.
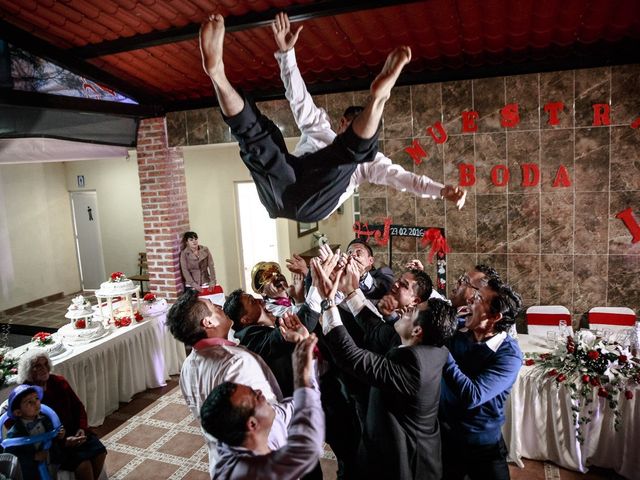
x: 375, y: 283
x: 255, y: 328
x: 401, y: 436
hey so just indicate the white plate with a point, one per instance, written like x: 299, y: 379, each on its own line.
x: 105, y: 332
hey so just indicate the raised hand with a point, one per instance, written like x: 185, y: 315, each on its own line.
x: 324, y: 252
x: 296, y: 264
x: 282, y: 34
x: 296, y: 289
x: 387, y: 305
x: 454, y: 194
x: 414, y: 264
x: 328, y: 278
x: 292, y: 329
x: 302, y: 360
x: 350, y: 280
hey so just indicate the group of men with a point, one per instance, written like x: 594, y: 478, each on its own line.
x: 404, y: 384
x: 400, y: 382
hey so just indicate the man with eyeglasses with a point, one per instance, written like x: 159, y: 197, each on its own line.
x: 477, y: 378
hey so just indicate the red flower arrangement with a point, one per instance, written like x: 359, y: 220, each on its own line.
x: 138, y: 316
x: 42, y: 339
x: 149, y: 297
x: 591, y: 369
x: 82, y: 323
x: 122, y: 322
x: 116, y: 277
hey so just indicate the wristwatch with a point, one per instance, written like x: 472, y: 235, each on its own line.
x: 326, y: 304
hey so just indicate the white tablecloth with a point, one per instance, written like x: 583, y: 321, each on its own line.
x: 539, y: 425
x: 113, y: 369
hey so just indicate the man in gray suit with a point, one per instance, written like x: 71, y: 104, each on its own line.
x: 401, y: 437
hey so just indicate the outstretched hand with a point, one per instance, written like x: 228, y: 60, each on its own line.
x: 292, y: 329
x: 296, y: 264
x: 302, y: 360
x: 454, y: 194
x: 326, y: 275
x: 282, y: 34
x: 414, y: 264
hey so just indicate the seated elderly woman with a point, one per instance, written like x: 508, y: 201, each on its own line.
x: 82, y: 452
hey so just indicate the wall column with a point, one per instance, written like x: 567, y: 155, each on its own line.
x: 164, y: 206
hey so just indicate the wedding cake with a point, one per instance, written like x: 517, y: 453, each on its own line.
x: 152, y: 306
x: 118, y: 284
x: 73, y: 334
x: 47, y: 342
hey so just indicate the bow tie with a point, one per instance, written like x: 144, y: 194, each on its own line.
x: 283, y: 301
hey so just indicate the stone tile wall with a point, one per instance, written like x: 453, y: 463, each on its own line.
x: 554, y: 245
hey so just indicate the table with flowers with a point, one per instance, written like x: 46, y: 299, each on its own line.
x: 137, y: 355
x: 576, y: 405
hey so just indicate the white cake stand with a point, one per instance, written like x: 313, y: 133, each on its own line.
x: 105, y: 299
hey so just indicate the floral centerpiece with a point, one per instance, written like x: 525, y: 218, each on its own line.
x: 591, y: 368
x: 149, y: 297
x: 117, y: 277
x: 8, y: 365
x: 42, y: 339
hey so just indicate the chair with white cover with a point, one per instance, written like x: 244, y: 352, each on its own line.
x: 611, y: 318
x: 544, y: 318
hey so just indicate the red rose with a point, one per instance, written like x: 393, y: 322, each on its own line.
x: 552, y: 373
x: 117, y: 323
x: 81, y: 324
x: 602, y: 392
x: 544, y: 356
x: 571, y: 348
x: 138, y: 316
x: 529, y: 361
x: 628, y: 394
x: 585, y: 378
x: 149, y: 297
x: 593, y: 354
x: 561, y: 378
x: 622, y: 359
x: 595, y: 382
x: 116, y: 275
x: 125, y: 321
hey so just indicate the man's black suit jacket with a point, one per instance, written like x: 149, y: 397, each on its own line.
x: 274, y: 349
x: 401, y: 437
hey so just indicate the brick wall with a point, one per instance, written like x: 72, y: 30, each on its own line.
x: 164, y: 206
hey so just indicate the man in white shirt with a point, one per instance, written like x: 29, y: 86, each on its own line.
x: 316, y: 132
x: 214, y: 360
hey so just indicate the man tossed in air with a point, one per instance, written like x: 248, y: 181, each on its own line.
x: 306, y: 188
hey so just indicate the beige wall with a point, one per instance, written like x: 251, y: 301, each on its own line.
x: 37, y: 247
x: 37, y: 250
x: 211, y: 171
x: 119, y: 206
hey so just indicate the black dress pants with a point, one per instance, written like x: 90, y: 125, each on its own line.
x: 303, y: 188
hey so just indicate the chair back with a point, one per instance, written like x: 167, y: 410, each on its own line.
x: 612, y: 318
x: 543, y: 318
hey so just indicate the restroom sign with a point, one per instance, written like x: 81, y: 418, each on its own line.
x: 80, y: 180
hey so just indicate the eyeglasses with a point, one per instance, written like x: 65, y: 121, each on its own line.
x: 466, y: 281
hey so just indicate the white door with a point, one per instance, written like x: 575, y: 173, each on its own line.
x: 259, y: 239
x: 86, y: 225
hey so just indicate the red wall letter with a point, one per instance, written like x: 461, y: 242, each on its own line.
x: 636, y: 123
x: 630, y: 222
x: 509, y: 116
x: 505, y: 175
x: 527, y: 170
x: 416, y: 152
x: 467, y: 175
x: 552, y: 109
x: 469, y: 121
x: 601, y: 114
x: 562, y: 177
x: 442, y: 135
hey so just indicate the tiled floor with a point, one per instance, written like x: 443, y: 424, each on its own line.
x: 43, y: 315
x: 154, y: 436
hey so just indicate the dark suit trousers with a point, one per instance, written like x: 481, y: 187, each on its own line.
x: 303, y: 188
x: 479, y: 462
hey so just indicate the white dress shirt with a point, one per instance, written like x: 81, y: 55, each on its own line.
x: 316, y: 133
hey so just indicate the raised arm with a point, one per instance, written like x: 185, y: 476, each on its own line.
x: 310, y: 119
x: 383, y: 171
x: 473, y: 392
